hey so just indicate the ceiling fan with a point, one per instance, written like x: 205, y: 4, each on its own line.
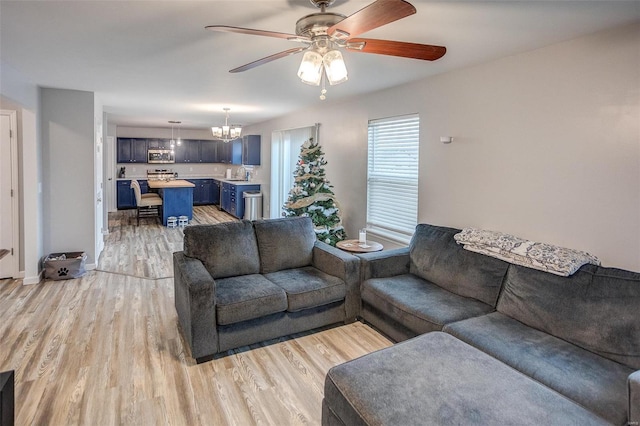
x: 324, y: 33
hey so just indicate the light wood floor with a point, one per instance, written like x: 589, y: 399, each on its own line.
x: 145, y: 250
x: 105, y: 349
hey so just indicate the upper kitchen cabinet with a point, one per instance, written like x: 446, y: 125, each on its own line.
x: 208, y: 151
x: 230, y: 152
x: 196, y: 151
x: 159, y: 143
x: 131, y: 150
x: 251, y: 150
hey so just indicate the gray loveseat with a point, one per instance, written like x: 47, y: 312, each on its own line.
x: 517, y: 346
x: 245, y: 282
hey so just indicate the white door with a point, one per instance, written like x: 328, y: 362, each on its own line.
x: 110, y: 163
x: 285, y: 150
x: 99, y: 220
x: 8, y: 195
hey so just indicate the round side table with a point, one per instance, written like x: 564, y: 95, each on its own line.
x: 356, y: 247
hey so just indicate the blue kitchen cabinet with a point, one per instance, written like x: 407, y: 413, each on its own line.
x: 126, y: 198
x: 225, y: 197
x: 205, y: 192
x: 230, y: 152
x: 131, y: 150
x: 232, y: 198
x: 208, y: 151
x: 251, y: 150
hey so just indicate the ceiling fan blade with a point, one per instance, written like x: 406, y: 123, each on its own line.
x: 250, y: 31
x: 425, y: 52
x: 377, y: 14
x: 268, y: 59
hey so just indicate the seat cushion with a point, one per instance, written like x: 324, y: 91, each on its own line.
x: 418, y: 304
x: 436, y: 257
x: 589, y: 379
x: 226, y: 249
x: 247, y: 297
x: 436, y: 379
x: 285, y: 243
x: 308, y: 287
x: 154, y: 200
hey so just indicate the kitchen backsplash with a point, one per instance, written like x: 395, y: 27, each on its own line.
x: 139, y: 170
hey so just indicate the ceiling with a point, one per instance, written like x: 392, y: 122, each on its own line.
x: 152, y: 61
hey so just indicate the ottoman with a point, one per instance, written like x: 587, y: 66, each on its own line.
x: 436, y: 379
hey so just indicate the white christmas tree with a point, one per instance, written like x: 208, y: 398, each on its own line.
x: 312, y: 195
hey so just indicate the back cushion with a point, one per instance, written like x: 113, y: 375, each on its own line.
x: 225, y: 249
x: 285, y: 243
x: 436, y: 257
x: 596, y: 308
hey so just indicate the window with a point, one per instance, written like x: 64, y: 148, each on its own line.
x: 392, y: 182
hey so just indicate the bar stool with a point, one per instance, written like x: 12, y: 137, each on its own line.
x: 183, y: 221
x: 172, y: 222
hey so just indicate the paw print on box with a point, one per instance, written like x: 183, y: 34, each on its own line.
x: 63, y: 272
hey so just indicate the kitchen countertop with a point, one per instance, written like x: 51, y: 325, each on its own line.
x: 162, y: 184
x: 218, y: 178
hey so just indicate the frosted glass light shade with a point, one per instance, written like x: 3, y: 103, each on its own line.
x: 334, y: 67
x: 217, y: 132
x: 310, y: 71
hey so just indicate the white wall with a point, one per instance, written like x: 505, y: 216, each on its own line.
x: 547, y: 145
x: 67, y: 123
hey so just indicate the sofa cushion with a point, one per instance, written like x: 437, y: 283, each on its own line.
x: 308, y: 287
x: 285, y: 243
x: 417, y: 304
x: 436, y: 257
x: 247, y: 297
x: 226, y: 249
x: 596, y: 308
x: 589, y: 379
x: 436, y: 379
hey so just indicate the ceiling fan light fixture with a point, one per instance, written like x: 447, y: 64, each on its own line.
x: 310, y: 71
x: 335, y: 67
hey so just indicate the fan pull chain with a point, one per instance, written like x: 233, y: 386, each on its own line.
x: 324, y: 90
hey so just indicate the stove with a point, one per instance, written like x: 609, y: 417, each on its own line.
x: 161, y: 174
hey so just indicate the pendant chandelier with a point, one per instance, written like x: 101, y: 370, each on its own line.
x: 227, y: 132
x: 174, y: 142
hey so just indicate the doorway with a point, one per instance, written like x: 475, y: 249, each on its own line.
x: 285, y: 149
x: 9, y: 218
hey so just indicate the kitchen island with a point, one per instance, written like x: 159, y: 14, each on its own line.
x: 177, y: 197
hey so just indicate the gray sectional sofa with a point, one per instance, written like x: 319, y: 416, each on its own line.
x: 496, y: 343
x: 245, y: 282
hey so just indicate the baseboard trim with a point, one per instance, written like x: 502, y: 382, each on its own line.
x: 33, y: 280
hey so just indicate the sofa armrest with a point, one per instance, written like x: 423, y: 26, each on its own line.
x: 383, y: 264
x: 345, y: 266
x: 195, y: 302
x: 634, y: 398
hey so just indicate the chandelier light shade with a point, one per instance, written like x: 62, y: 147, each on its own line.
x: 310, y: 71
x: 227, y: 133
x: 334, y: 67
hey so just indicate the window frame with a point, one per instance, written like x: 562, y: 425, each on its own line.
x: 386, y: 188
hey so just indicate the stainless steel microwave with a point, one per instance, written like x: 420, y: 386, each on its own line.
x: 160, y: 156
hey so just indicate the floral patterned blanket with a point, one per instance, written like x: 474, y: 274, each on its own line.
x: 545, y: 257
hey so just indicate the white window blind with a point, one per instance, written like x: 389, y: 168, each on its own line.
x: 392, y: 182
